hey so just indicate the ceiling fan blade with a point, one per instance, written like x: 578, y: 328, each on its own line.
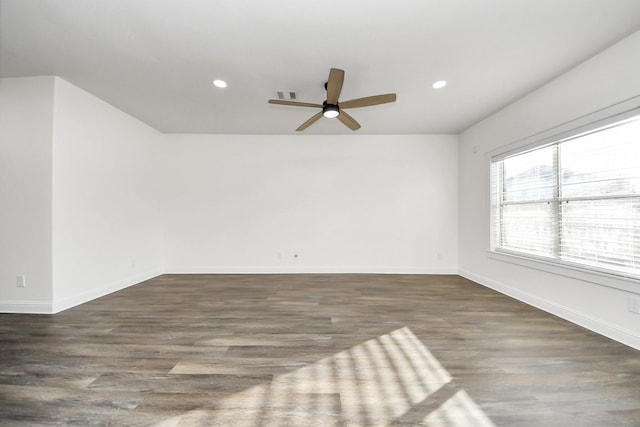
x: 294, y: 103
x: 334, y: 85
x: 348, y: 121
x: 369, y: 100
x: 309, y: 122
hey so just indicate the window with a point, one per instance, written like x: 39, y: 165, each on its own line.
x: 574, y: 201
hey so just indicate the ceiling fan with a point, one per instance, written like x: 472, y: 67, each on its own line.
x: 332, y: 108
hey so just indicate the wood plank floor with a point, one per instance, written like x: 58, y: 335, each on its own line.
x: 311, y: 350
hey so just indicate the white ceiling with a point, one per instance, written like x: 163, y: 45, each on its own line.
x: 155, y: 59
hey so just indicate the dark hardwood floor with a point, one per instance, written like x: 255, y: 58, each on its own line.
x: 311, y: 350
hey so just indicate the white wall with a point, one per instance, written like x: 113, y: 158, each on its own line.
x: 606, y: 79
x: 87, y: 190
x: 26, y: 118
x: 353, y: 203
x: 107, y: 231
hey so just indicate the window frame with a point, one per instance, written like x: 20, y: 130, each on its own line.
x: 566, y: 131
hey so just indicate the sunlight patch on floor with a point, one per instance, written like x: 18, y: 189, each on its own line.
x: 372, y: 384
x: 459, y: 410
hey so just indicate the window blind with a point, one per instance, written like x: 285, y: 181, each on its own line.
x: 576, y: 200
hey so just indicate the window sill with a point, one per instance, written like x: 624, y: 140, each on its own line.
x: 597, y: 277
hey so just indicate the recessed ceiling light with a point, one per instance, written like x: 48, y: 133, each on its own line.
x: 220, y: 83
x: 439, y: 84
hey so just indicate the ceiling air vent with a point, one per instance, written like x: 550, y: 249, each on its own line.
x: 286, y: 95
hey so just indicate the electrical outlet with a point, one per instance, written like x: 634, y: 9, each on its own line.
x: 21, y: 281
x: 633, y: 304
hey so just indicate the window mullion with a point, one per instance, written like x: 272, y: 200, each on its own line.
x: 503, y: 190
x: 557, y: 203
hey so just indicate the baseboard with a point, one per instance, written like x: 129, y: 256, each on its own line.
x: 46, y: 307
x: 58, y: 305
x: 307, y: 270
x: 609, y: 330
x: 75, y: 300
x: 26, y: 307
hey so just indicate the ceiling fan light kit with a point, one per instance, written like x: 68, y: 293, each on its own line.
x: 331, y: 108
x: 330, y: 111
